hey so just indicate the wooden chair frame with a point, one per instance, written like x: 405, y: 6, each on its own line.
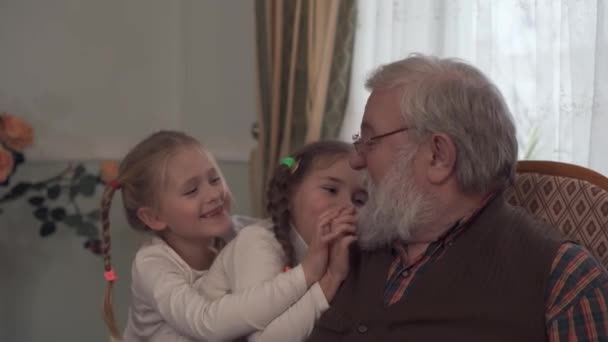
x: 554, y: 168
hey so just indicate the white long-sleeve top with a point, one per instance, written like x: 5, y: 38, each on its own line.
x: 253, y: 258
x: 165, y: 306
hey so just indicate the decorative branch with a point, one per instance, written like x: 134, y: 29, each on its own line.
x: 55, y: 202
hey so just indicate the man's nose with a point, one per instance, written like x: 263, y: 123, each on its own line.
x: 357, y: 161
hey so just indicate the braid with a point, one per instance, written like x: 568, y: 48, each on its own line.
x: 108, y: 310
x: 278, y: 207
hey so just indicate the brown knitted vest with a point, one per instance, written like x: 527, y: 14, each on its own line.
x: 488, y: 286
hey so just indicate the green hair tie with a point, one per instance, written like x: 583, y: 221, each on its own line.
x: 288, y: 161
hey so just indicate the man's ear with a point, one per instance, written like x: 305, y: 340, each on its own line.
x: 151, y: 218
x: 442, y: 158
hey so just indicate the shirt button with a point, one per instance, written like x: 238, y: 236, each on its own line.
x: 405, y: 273
x: 362, y: 328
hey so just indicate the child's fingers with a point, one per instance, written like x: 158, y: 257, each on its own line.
x: 333, y: 217
x: 324, y: 228
x: 330, y: 213
x: 338, y: 211
x: 344, y: 228
x: 337, y: 232
x: 324, y: 224
x: 328, y: 216
x: 344, y: 218
x: 331, y: 237
x: 345, y: 243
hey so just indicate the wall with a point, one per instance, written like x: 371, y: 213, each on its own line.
x: 78, y: 70
x: 94, y: 77
x: 218, y: 98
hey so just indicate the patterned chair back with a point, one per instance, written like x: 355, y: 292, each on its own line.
x: 573, y: 199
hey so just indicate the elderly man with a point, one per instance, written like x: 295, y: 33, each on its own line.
x: 443, y: 256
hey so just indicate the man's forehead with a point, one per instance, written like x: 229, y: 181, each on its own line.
x: 382, y: 109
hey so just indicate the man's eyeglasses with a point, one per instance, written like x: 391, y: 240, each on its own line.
x: 362, y: 145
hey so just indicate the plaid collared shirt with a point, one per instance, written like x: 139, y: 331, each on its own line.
x: 577, y: 291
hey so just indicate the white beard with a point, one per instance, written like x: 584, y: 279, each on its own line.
x: 396, y: 207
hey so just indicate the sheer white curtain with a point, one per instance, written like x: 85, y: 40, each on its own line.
x: 548, y: 57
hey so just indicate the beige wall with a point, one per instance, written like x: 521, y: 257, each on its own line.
x: 94, y: 77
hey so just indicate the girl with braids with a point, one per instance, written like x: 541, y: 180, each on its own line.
x: 314, y: 186
x: 172, y: 187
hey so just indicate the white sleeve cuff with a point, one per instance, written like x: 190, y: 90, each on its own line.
x: 299, y: 279
x: 319, y: 297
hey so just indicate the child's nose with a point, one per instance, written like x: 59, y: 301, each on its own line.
x: 345, y: 202
x: 215, y: 195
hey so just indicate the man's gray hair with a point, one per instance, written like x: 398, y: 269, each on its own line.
x: 452, y: 97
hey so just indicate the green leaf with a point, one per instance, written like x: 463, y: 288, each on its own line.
x: 87, y: 185
x: 54, y: 191
x: 73, y: 221
x: 94, y: 245
x: 58, y: 214
x: 42, y: 213
x: 47, y: 229
x: 20, y: 189
x: 79, y: 171
x: 87, y: 229
x: 36, y: 201
x: 94, y: 215
x: 17, y: 191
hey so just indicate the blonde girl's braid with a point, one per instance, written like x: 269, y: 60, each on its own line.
x: 109, y: 274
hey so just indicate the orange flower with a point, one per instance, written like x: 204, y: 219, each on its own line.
x: 7, y: 163
x: 16, y: 133
x: 108, y: 171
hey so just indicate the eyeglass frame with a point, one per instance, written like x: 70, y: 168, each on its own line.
x: 358, y: 139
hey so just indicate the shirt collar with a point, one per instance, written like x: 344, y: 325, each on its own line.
x: 400, y: 247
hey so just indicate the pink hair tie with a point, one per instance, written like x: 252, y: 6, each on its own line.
x: 110, y: 275
x: 115, y: 184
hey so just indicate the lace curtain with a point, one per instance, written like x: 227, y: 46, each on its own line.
x: 548, y: 57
